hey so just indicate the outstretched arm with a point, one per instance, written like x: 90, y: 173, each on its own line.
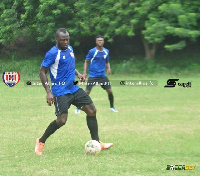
x: 43, y: 77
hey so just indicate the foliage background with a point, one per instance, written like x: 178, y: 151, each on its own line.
x: 134, y: 26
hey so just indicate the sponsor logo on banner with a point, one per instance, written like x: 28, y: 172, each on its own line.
x: 181, y: 167
x: 11, y: 79
x: 171, y: 83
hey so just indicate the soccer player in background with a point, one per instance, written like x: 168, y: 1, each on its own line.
x: 97, y: 59
x: 60, y: 61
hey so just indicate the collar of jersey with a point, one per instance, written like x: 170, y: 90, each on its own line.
x: 61, y: 49
x: 100, y: 50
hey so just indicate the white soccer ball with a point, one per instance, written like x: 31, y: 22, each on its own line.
x: 92, y: 147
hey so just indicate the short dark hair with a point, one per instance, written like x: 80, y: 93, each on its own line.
x: 63, y: 30
x: 99, y: 36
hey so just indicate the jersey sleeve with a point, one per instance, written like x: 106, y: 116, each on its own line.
x: 89, y: 55
x: 72, y: 51
x: 70, y: 47
x: 49, y: 59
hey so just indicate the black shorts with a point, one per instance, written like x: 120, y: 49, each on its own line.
x: 102, y: 81
x: 78, y: 99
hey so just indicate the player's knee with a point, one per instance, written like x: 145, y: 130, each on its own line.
x: 92, y: 112
x: 61, y: 120
x: 87, y: 92
x: 109, y: 91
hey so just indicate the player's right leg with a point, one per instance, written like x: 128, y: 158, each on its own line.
x: 53, y: 126
x: 61, y: 105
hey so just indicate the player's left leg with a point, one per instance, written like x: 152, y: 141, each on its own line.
x: 106, y: 85
x: 84, y: 102
x: 77, y: 110
x: 110, y: 97
x: 93, y: 126
x: 90, y: 84
x: 91, y: 119
x: 111, y: 100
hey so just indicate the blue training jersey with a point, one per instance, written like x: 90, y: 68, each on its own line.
x: 61, y: 64
x: 97, y: 62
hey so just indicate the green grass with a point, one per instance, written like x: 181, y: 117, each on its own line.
x: 154, y: 127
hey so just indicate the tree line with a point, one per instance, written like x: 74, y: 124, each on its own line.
x: 152, y: 20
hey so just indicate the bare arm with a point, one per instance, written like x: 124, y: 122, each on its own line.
x: 108, y: 67
x: 80, y: 76
x: 77, y: 73
x: 85, y: 67
x: 43, y: 77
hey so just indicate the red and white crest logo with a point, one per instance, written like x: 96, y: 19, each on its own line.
x: 11, y: 79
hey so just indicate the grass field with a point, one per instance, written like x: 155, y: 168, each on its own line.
x: 155, y: 127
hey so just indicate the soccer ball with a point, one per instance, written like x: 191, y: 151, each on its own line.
x: 92, y: 147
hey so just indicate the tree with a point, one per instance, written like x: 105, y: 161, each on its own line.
x: 53, y: 15
x: 173, y: 18
x: 108, y: 17
x: 35, y: 19
x: 153, y: 20
x: 10, y: 20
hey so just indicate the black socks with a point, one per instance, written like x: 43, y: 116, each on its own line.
x: 91, y: 123
x: 53, y: 126
x: 111, y: 99
x: 93, y: 127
